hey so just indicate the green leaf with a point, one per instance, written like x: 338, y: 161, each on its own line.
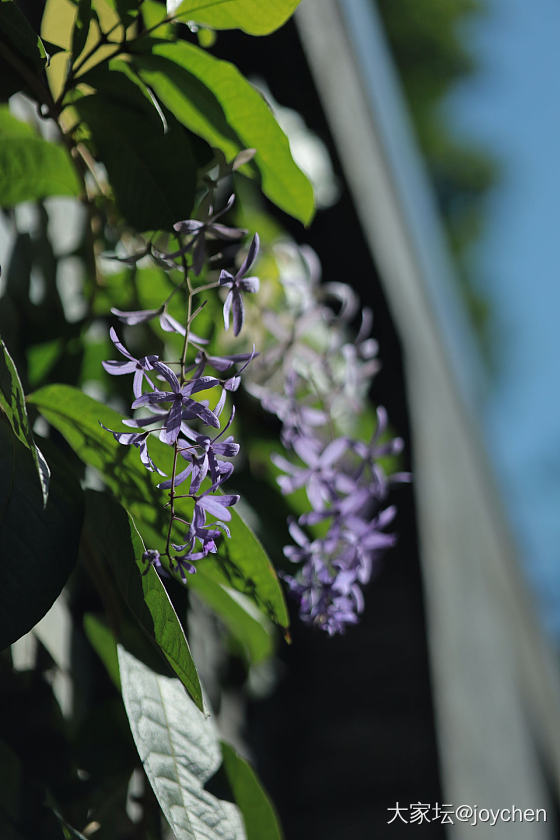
x: 104, y: 644
x: 12, y: 403
x: 252, y: 16
x: 243, y: 620
x: 126, y: 9
x: 10, y: 126
x: 151, y: 171
x: 30, y: 167
x: 113, y: 537
x: 12, y: 398
x: 257, y: 810
x: 81, y: 27
x: 19, y: 35
x: 179, y: 749
x: 245, y: 565
x: 213, y: 99
x: 38, y: 545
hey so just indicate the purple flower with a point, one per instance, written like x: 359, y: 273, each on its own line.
x: 319, y: 476
x: 182, y: 406
x: 298, y: 419
x: 136, y: 366
x: 216, y: 504
x: 202, y: 455
x: 200, y: 532
x: 152, y: 558
x: 239, y: 283
x: 328, y: 598
x: 221, y: 363
x: 166, y: 321
x: 330, y: 607
x: 138, y: 439
x: 138, y: 316
x: 200, y: 229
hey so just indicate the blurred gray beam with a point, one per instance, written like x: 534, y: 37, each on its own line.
x: 495, y: 681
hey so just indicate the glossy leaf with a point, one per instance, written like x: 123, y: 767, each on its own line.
x: 151, y: 171
x: 12, y: 403
x: 38, y: 544
x: 252, y: 16
x: 179, y: 749
x: 239, y: 615
x: 257, y: 810
x: 114, y: 539
x: 236, y: 565
x: 213, y: 99
x: 18, y: 34
x: 30, y: 167
x: 246, y: 566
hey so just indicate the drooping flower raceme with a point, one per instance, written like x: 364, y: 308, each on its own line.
x: 314, y: 374
x: 175, y: 411
x: 315, y: 377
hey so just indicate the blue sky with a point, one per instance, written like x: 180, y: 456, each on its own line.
x: 512, y: 107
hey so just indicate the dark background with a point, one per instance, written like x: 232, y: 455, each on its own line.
x: 349, y: 730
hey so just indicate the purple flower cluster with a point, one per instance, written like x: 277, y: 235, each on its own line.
x: 191, y: 426
x: 347, y: 490
x: 314, y: 377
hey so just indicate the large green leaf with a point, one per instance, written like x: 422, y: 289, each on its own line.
x: 237, y: 565
x: 80, y: 30
x: 38, y: 544
x: 215, y: 101
x: 180, y: 752
x: 22, y: 55
x: 253, y: 16
x: 113, y: 538
x: 151, y: 171
x: 244, y: 564
x: 10, y: 126
x: 12, y: 403
x: 257, y: 810
x: 16, y: 30
x: 30, y: 167
x: 246, y: 624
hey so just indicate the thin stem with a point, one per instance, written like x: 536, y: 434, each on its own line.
x: 172, y: 494
x: 172, y: 497
x: 189, y: 317
x: 205, y: 288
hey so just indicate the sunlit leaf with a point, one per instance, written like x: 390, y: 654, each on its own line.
x: 239, y: 615
x: 212, y: 99
x: 257, y: 810
x: 30, y: 167
x: 252, y: 16
x: 180, y: 751
x: 81, y: 27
